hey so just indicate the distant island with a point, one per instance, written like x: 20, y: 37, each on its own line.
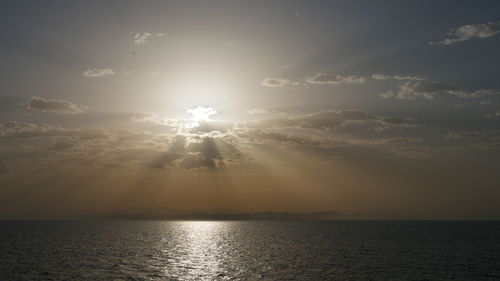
x: 322, y: 215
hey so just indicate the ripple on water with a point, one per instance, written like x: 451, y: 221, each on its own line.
x: 204, y: 250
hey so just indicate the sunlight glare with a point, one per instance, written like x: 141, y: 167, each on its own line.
x: 202, y: 113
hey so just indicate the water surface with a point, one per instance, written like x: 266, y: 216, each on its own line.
x: 249, y: 250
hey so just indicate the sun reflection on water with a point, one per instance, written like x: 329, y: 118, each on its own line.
x: 198, y: 251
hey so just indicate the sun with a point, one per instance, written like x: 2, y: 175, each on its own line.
x: 202, y: 113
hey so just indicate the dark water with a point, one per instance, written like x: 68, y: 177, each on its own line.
x: 336, y: 250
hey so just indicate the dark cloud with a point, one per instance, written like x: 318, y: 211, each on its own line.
x: 190, y: 155
x: 176, y: 151
x: 203, y: 154
x: 194, y: 161
x: 57, y: 106
x: 197, y: 152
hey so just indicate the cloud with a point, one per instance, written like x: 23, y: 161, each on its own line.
x: 257, y: 111
x: 430, y: 90
x: 384, y: 141
x: 275, y: 82
x: 388, y: 94
x: 322, y: 78
x: 462, y: 105
x: 175, y: 152
x: 91, y: 133
x: 196, y: 153
x: 15, y: 129
x: 325, y: 120
x: 274, y: 110
x: 319, y: 78
x: 408, y: 77
x: 260, y: 136
x: 202, y: 113
x: 397, y: 77
x: 464, y: 135
x: 477, y: 93
x: 143, y: 116
x: 150, y: 117
x: 378, y: 76
x: 61, y: 145
x: 58, y: 106
x: 412, y: 90
x: 208, y: 127
x: 394, y: 120
x: 199, y: 125
x: 486, y: 139
x: 469, y: 31
x: 98, y: 72
x: 281, y: 138
x: 141, y: 38
x: 125, y: 134
x: 204, y: 153
x: 485, y: 102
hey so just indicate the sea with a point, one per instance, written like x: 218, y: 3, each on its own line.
x: 250, y: 250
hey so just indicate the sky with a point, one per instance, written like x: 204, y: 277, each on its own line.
x: 383, y: 109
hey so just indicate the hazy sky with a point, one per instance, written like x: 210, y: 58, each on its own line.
x: 385, y: 108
